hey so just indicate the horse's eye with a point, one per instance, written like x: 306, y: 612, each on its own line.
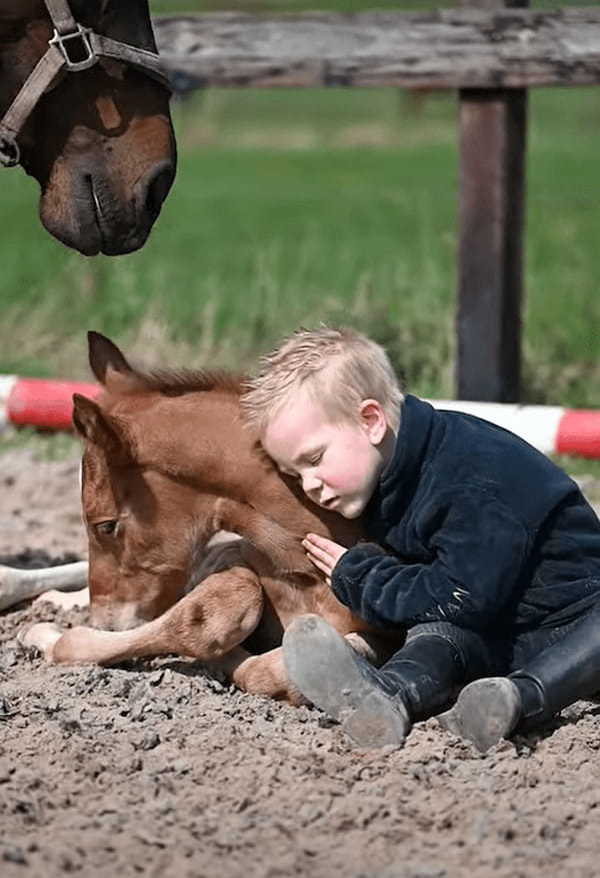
x: 106, y: 528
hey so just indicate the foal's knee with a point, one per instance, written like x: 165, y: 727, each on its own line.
x: 219, y: 614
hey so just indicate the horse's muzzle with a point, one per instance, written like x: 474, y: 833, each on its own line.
x: 99, y: 219
x: 151, y: 191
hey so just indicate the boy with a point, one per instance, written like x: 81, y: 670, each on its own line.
x: 479, y: 546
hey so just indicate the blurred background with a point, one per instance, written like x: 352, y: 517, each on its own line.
x: 294, y: 207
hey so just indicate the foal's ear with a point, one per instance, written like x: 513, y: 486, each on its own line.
x: 105, y: 355
x: 99, y: 428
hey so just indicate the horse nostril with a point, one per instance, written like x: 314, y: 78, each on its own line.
x: 156, y: 186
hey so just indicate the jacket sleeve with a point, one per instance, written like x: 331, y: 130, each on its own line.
x: 478, y: 549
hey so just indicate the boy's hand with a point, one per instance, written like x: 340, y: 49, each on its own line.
x: 323, y: 553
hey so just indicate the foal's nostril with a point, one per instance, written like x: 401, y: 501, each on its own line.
x: 156, y: 187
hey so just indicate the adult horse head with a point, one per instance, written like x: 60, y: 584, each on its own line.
x: 167, y: 463
x: 84, y: 108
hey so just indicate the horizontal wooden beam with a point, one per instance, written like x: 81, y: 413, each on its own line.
x: 461, y: 48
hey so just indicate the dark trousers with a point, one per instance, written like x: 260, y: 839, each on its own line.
x: 552, y: 667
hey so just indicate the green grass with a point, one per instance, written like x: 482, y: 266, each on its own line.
x: 297, y: 206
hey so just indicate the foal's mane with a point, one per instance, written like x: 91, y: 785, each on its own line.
x: 176, y: 382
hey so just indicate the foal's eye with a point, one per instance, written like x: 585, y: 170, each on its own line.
x: 106, y: 528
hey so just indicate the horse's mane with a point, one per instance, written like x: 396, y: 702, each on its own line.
x: 176, y: 382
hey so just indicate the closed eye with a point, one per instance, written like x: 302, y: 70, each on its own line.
x: 288, y: 472
x: 107, y: 528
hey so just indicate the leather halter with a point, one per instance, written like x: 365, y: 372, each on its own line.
x: 69, y: 41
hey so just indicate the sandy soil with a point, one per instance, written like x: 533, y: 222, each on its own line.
x: 156, y: 769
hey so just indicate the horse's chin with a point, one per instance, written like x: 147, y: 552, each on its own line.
x: 82, y: 229
x: 89, y: 213
x: 84, y: 236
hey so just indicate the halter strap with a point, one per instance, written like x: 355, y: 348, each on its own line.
x: 61, y: 16
x: 69, y: 39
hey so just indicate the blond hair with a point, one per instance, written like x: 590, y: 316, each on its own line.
x: 339, y: 367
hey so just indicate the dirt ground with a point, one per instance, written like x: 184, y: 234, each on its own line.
x: 156, y: 769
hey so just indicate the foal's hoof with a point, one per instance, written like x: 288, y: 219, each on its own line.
x: 41, y: 636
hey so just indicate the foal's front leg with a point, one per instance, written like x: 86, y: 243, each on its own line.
x: 207, y: 623
x: 265, y: 674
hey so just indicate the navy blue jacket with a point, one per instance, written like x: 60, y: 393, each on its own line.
x: 473, y: 526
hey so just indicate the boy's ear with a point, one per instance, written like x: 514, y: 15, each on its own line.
x: 373, y: 420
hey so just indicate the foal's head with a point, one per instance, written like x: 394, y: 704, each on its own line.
x: 156, y: 447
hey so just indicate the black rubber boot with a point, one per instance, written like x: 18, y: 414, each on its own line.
x: 376, y: 707
x: 485, y: 712
x: 437, y: 659
x: 491, y: 709
x: 339, y: 681
x: 561, y: 674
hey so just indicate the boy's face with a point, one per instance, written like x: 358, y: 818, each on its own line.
x: 338, y: 464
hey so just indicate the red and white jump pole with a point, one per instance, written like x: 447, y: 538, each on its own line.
x: 35, y: 402
x: 48, y: 405
x: 551, y: 429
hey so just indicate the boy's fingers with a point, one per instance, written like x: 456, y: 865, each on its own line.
x: 326, y: 568
x: 316, y: 551
x: 317, y: 539
x: 323, y: 544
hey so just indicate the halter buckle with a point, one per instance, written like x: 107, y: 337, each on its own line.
x: 83, y: 48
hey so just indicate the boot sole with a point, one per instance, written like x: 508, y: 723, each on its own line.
x: 485, y: 712
x: 325, y: 669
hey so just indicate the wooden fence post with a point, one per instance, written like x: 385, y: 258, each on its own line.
x: 491, y: 225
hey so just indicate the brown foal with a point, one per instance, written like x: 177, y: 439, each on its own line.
x: 167, y: 464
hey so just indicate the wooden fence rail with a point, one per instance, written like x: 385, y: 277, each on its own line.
x: 460, y: 48
x: 491, y: 54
